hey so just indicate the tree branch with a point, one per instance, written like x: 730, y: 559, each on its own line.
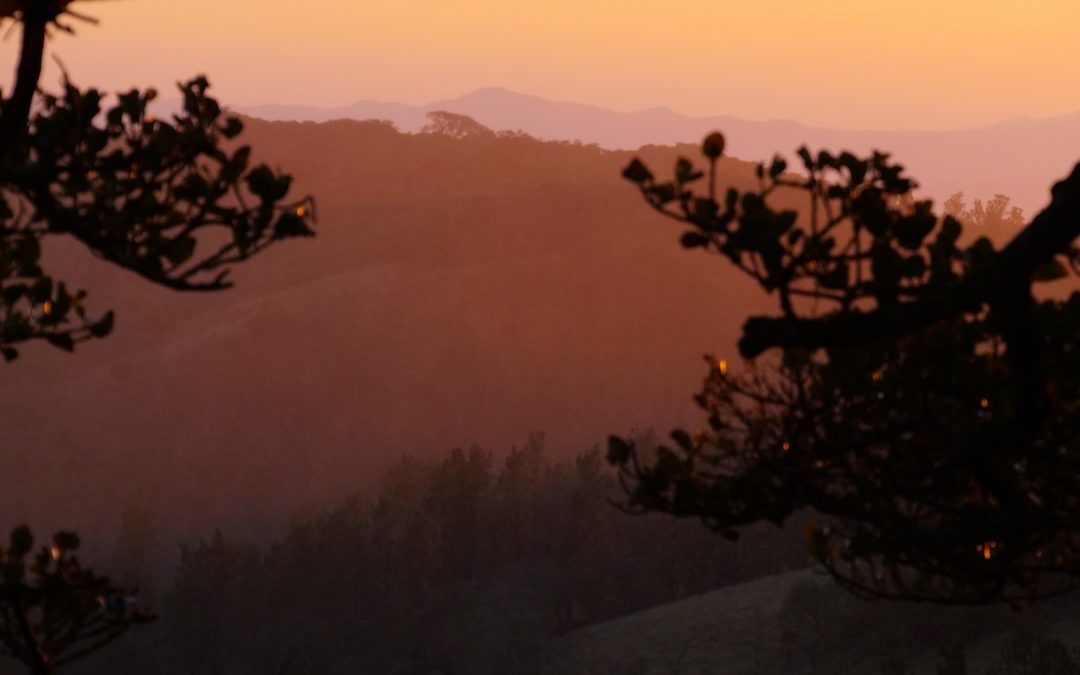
x: 1048, y: 234
x: 16, y: 110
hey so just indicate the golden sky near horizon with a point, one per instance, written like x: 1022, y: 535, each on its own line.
x: 842, y: 63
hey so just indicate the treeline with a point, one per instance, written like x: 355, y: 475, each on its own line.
x: 457, y: 566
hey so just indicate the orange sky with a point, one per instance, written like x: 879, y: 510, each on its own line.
x: 845, y: 63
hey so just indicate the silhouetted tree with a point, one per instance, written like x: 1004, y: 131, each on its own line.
x: 457, y: 504
x: 383, y: 585
x: 212, y: 589
x: 173, y: 201
x: 136, y: 547
x: 919, y: 399
x: 995, y: 219
x: 52, y: 609
x: 163, y: 199
x: 516, y: 500
x: 455, y: 125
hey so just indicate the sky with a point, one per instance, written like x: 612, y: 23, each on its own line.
x: 920, y: 64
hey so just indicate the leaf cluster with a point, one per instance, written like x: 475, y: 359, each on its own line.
x: 175, y: 201
x: 54, y: 610
x: 861, y: 242
x: 939, y: 447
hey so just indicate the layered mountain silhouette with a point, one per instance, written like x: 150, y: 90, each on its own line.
x: 1019, y: 158
x: 459, y: 291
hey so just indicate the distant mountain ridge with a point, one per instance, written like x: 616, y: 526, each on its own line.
x: 1020, y: 158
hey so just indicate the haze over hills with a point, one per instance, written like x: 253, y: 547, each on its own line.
x: 458, y: 292
x: 1018, y: 158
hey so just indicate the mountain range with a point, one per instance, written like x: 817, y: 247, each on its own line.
x: 1019, y: 158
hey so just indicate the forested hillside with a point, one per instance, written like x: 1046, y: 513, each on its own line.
x: 461, y: 564
x: 459, y: 291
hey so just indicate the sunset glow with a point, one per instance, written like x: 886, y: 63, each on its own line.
x: 927, y: 64
x: 484, y: 337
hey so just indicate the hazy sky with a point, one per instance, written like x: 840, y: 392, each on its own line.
x: 846, y: 63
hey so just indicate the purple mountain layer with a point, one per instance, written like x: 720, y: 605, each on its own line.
x: 1019, y: 158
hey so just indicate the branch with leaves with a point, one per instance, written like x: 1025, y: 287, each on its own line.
x: 176, y: 201
x: 922, y: 403
x: 52, y: 609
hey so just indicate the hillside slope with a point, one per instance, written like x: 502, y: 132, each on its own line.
x: 756, y: 628
x: 458, y: 292
x: 725, y: 631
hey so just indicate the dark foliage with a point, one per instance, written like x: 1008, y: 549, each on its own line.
x: 166, y: 200
x: 455, y: 125
x: 456, y: 566
x: 52, y: 609
x: 922, y: 402
x: 170, y: 201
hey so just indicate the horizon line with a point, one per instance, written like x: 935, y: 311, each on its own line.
x: 651, y: 109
